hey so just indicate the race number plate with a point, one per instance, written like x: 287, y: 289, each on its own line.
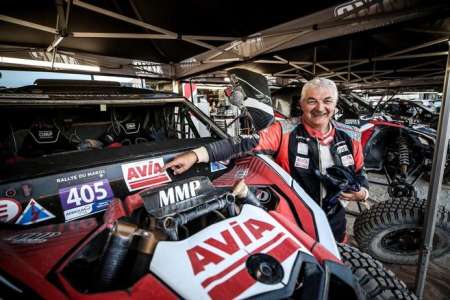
x: 85, y: 199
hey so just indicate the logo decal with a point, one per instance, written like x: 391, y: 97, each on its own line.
x: 302, y: 148
x: 342, y: 149
x: 348, y: 7
x: 200, y: 256
x: 241, y: 173
x: 178, y: 193
x: 31, y: 237
x: 34, y: 213
x: 85, y: 199
x: 144, y: 174
x: 302, y: 162
x: 216, y: 166
x: 347, y: 160
x: 10, y: 209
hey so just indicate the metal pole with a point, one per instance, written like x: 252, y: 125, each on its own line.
x: 315, y: 61
x: 439, y: 159
x: 349, y: 60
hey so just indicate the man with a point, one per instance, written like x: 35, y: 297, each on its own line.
x: 305, y: 150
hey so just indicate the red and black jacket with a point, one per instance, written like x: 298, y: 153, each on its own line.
x: 284, y: 141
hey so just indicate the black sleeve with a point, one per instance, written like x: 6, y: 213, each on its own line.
x: 230, y: 148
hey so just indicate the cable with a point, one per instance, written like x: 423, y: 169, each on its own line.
x: 13, y: 137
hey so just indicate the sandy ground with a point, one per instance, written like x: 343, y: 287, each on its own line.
x: 438, y: 277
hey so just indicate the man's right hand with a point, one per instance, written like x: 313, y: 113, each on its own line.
x: 182, y: 162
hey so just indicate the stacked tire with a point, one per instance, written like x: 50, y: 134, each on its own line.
x: 391, y: 231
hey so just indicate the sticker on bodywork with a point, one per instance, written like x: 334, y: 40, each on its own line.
x: 10, y: 209
x: 85, y: 199
x: 34, y: 213
x: 216, y: 166
x: 32, y: 237
x: 145, y: 173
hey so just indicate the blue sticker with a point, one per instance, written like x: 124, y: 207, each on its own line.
x: 85, y: 199
x: 217, y: 166
x: 34, y: 213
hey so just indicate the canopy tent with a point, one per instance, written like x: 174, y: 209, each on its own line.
x: 356, y: 42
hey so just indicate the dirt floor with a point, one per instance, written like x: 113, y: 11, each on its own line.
x: 438, y: 277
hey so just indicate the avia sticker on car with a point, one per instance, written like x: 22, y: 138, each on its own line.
x: 212, y: 263
x: 32, y: 237
x: 85, y: 199
x: 216, y: 166
x: 34, y: 213
x: 145, y: 173
x: 10, y: 209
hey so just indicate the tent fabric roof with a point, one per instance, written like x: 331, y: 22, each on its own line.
x: 286, y: 39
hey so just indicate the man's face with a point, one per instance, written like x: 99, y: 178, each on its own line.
x: 318, y: 107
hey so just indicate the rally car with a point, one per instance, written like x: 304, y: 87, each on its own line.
x: 88, y: 211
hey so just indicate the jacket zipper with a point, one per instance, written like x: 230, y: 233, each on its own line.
x: 320, y: 170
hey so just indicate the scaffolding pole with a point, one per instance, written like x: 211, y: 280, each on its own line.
x: 437, y: 171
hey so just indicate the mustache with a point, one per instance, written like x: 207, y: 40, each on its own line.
x: 316, y: 112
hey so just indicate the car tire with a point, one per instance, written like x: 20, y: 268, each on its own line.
x: 376, y: 282
x: 391, y: 231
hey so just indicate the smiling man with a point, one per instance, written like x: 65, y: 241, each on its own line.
x: 325, y: 157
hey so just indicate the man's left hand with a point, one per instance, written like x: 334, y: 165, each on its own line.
x: 353, y: 196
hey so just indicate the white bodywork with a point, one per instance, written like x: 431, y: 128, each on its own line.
x: 226, y: 277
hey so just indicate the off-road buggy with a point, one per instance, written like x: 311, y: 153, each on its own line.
x: 89, y: 212
x: 397, y: 144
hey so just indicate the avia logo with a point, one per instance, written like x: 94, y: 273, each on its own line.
x: 144, y: 173
x: 225, y: 244
x: 351, y: 6
x: 178, y: 193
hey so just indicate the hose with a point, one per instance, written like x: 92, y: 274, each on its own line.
x: 116, y: 249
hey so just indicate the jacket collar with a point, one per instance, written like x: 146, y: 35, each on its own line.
x: 323, y: 138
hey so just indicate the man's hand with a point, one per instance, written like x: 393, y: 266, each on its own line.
x: 182, y: 162
x: 353, y: 196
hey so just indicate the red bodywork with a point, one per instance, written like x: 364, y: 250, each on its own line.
x: 40, y: 266
x: 367, y: 134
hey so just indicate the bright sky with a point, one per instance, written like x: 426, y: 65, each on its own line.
x: 13, y: 79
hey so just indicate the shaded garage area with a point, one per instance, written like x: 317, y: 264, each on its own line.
x: 376, y: 51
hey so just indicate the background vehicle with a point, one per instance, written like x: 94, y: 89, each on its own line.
x: 396, y: 144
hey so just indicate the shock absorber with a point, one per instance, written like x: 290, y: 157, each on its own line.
x: 403, y: 157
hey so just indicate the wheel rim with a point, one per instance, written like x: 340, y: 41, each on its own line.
x: 408, y: 241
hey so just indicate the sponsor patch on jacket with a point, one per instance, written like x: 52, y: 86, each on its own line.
x: 302, y: 162
x: 342, y: 149
x: 145, y: 173
x: 34, y: 213
x: 10, y: 209
x: 302, y: 148
x: 347, y: 160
